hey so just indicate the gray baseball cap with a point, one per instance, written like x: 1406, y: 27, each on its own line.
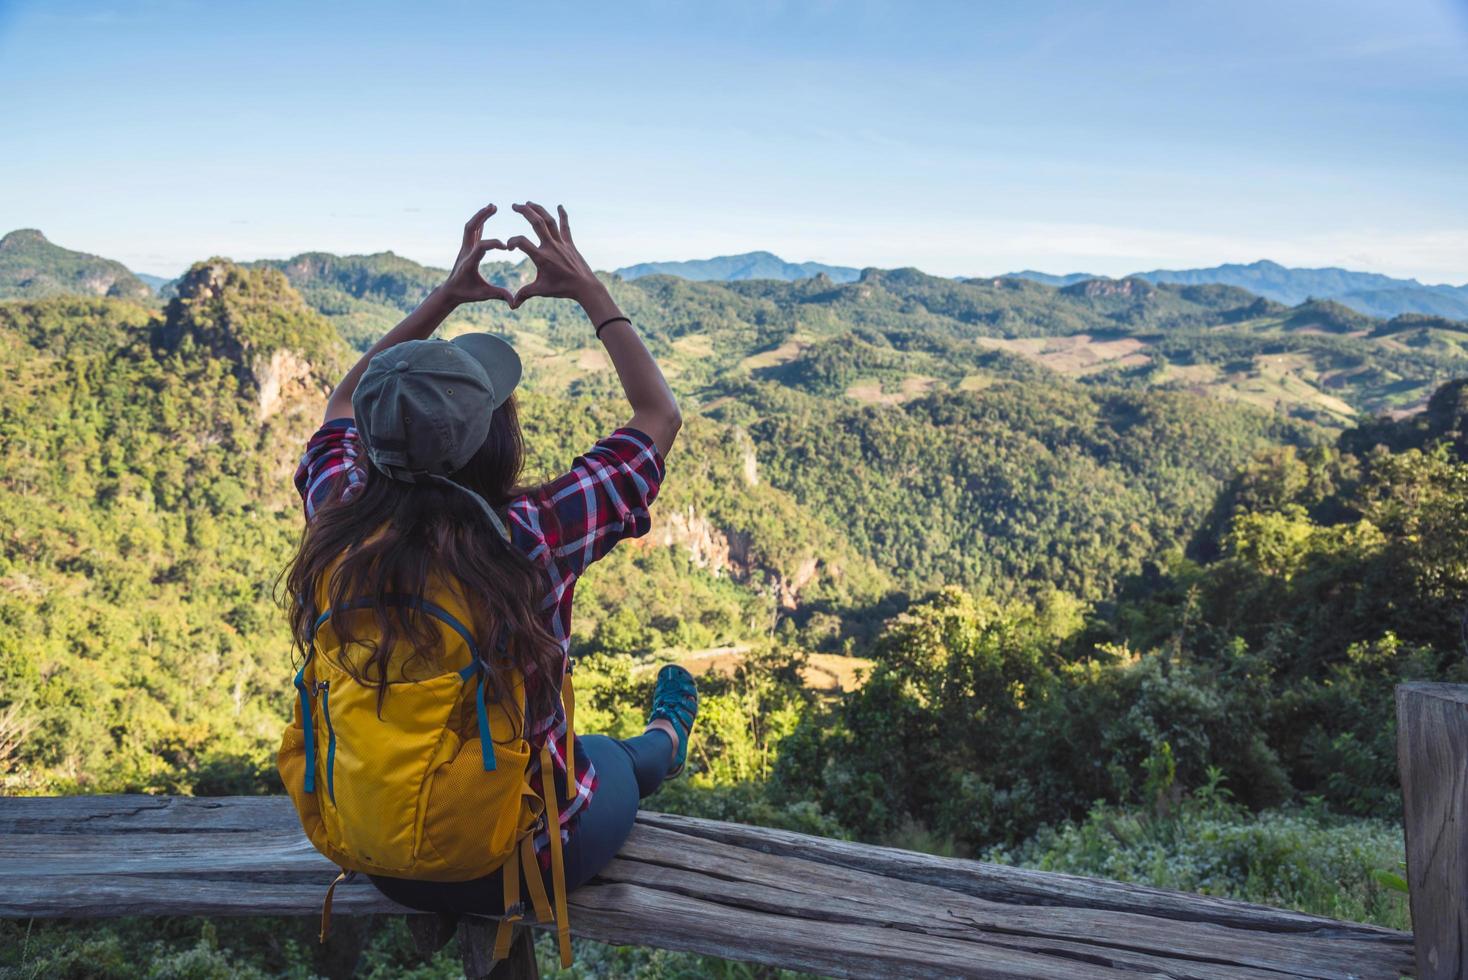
x: 423, y: 407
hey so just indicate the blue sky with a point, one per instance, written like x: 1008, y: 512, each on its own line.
x: 963, y: 138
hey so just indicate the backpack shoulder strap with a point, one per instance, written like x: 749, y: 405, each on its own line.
x: 476, y: 666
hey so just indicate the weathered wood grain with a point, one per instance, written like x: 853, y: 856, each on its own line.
x: 1432, y: 760
x: 745, y: 893
x: 1000, y: 883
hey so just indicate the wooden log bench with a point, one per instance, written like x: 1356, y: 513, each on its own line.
x: 743, y: 893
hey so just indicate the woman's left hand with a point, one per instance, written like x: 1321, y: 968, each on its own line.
x: 465, y: 284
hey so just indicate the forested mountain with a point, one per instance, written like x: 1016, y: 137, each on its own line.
x: 1365, y: 292
x: 1111, y: 600
x: 749, y: 265
x: 32, y: 267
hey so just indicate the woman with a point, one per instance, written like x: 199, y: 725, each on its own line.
x: 411, y: 483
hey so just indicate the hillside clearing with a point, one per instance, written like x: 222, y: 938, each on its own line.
x: 825, y: 673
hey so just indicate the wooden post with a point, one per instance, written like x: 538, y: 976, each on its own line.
x: 337, y: 958
x: 431, y: 933
x: 1432, y: 760
x: 476, y: 950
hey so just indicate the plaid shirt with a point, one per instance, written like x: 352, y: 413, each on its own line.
x: 564, y: 525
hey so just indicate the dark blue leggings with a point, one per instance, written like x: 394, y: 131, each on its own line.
x: 627, y: 770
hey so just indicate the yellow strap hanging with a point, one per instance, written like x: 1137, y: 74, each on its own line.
x: 510, y: 875
x: 326, y: 903
x: 568, y: 701
x: 558, y: 869
x: 533, y: 875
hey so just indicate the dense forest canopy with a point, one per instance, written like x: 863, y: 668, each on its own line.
x: 1107, y: 565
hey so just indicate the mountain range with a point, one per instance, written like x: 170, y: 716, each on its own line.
x: 1365, y: 292
x: 888, y: 337
x: 732, y: 268
x: 31, y: 266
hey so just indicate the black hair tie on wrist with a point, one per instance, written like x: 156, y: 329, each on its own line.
x: 610, y: 319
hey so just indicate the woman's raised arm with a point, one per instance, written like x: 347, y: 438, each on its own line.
x: 463, y: 285
x: 560, y: 271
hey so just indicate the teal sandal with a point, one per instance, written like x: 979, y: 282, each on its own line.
x: 675, y: 700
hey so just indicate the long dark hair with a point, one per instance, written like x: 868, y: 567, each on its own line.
x: 405, y: 538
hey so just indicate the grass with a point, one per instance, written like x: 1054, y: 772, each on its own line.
x: 1301, y: 858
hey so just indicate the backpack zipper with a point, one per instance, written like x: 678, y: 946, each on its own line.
x: 325, y: 688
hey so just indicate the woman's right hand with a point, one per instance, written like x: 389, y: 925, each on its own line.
x: 560, y: 271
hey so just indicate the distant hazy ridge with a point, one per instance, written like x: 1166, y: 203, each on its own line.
x: 1365, y: 292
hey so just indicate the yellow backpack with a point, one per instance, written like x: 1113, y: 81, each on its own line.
x: 435, y: 788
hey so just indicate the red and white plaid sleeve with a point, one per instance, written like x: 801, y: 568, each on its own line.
x: 333, y: 462
x: 602, y: 499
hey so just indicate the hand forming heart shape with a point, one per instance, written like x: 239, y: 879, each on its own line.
x: 560, y: 271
